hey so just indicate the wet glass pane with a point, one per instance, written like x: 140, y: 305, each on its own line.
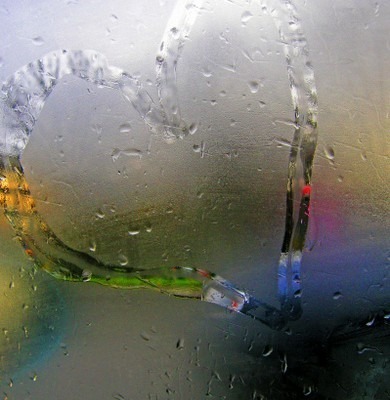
x: 194, y: 199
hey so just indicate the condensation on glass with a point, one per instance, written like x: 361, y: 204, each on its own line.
x: 228, y: 151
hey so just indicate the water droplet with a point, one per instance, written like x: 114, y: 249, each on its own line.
x: 232, y: 378
x: 206, y: 72
x: 175, y: 33
x: 281, y: 142
x: 193, y: 128
x: 298, y: 294
x: 253, y: 86
x: 329, y: 152
x: 168, y: 390
x: 118, y: 396
x: 180, y: 344
x: 86, y: 275
x: 196, y: 148
x: 100, y: 214
x: 362, y: 348
x: 134, y: 231
x: 364, y: 156
x: 92, y: 246
x: 337, y: 295
x: 340, y: 178
x: 34, y: 377
x: 262, y: 104
x: 222, y: 93
x: 145, y: 336
x: 245, y: 17
x: 284, y: 364
x: 11, y: 285
x: 267, y: 350
x: 148, y: 227
x: 116, y: 153
x: 307, y: 390
x: 97, y: 128
x: 64, y: 348
x: 160, y: 59
x: 38, y: 41
x: 371, y: 321
x: 25, y: 330
x: 125, y: 127
x: 123, y: 261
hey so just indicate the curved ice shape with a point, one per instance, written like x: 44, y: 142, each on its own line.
x: 176, y: 33
x: 304, y: 98
x: 61, y: 261
x: 23, y: 96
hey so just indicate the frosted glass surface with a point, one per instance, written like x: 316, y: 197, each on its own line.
x: 155, y: 134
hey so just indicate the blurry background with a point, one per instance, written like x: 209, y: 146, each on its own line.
x: 214, y: 200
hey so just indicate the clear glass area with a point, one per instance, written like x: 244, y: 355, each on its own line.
x: 195, y: 199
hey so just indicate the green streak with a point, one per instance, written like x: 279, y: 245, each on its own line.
x: 180, y: 287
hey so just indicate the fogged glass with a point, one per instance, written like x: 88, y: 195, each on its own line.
x: 231, y: 152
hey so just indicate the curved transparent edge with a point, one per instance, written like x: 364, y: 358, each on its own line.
x: 23, y: 96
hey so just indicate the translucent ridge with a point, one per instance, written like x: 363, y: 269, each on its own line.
x: 23, y: 96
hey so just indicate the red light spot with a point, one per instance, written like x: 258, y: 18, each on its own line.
x: 234, y: 305
x: 29, y: 252
x: 204, y: 273
x: 306, y: 190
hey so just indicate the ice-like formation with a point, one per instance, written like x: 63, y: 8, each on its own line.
x: 23, y: 96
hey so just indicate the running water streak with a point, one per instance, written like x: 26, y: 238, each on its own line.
x: 23, y: 96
